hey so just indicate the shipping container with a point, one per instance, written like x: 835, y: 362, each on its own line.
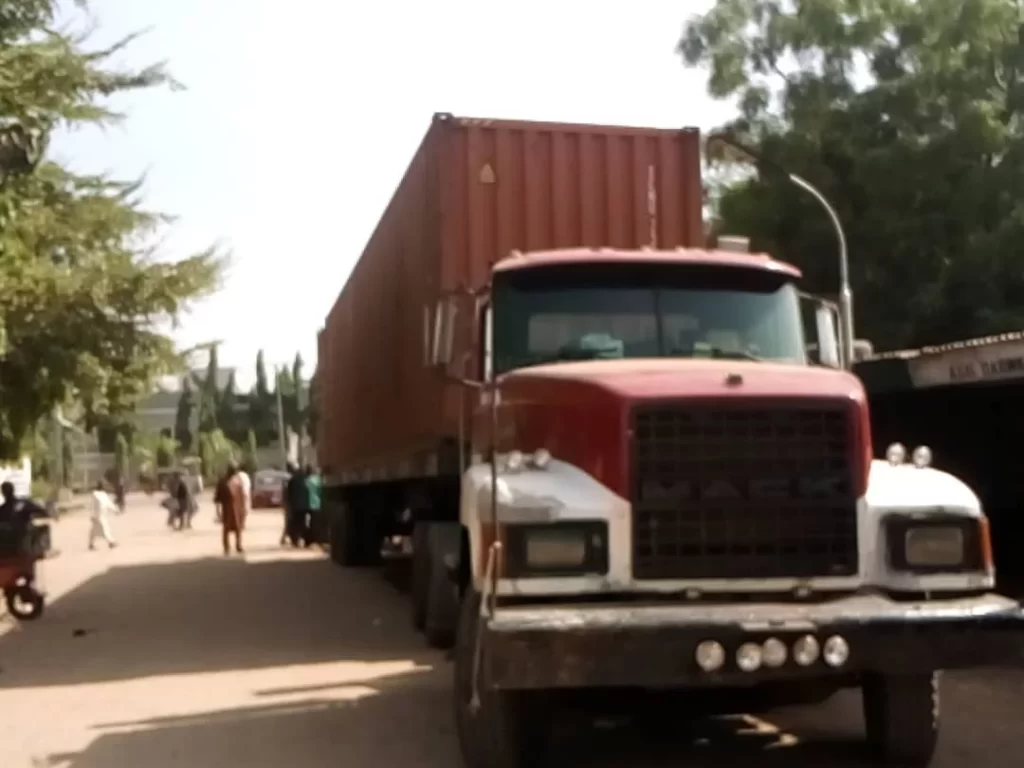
x: 475, y: 190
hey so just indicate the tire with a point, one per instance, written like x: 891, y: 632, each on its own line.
x: 344, y: 538
x: 442, y: 617
x: 420, y: 574
x: 901, y: 718
x: 25, y: 603
x: 510, y: 729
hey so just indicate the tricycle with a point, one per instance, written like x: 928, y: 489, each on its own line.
x: 23, y: 596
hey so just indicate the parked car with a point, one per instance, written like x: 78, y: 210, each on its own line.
x: 268, y: 488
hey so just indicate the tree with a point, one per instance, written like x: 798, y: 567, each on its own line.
x: 183, y: 417
x: 226, y: 404
x: 906, y: 114
x: 209, y: 394
x: 297, y: 408
x: 252, y: 456
x: 261, y: 413
x: 85, y: 301
x: 122, y: 459
x: 313, y: 410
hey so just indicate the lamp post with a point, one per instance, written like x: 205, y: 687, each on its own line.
x: 845, y: 291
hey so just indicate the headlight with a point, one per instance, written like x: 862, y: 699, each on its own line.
x: 553, y: 549
x: 937, y: 543
x: 934, y: 546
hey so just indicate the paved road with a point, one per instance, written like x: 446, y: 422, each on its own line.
x: 164, y: 653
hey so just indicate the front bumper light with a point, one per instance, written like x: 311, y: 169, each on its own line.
x: 556, y: 549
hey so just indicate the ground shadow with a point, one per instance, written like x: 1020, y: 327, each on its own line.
x: 207, y: 615
x: 388, y: 727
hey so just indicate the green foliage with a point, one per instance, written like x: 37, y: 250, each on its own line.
x: 122, y: 460
x: 216, y: 451
x: 84, y: 297
x: 251, y: 461
x: 227, y: 401
x: 183, y: 416
x: 208, y: 395
x: 261, y: 404
x: 906, y: 114
x: 312, y: 411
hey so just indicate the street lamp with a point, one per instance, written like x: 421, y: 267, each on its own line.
x: 845, y: 292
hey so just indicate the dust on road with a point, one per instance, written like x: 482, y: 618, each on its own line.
x: 165, y: 653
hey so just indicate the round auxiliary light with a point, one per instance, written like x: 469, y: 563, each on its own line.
x: 836, y: 652
x: 806, y: 650
x: 896, y: 454
x: 922, y: 456
x: 774, y: 653
x: 710, y: 655
x: 748, y: 657
x: 514, y: 461
x: 541, y: 458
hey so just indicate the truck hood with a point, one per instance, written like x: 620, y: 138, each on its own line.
x: 652, y: 379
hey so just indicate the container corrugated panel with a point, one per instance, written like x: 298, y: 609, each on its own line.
x: 475, y: 190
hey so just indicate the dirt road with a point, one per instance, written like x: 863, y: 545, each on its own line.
x: 164, y: 653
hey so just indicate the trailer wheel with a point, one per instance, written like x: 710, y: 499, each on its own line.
x: 509, y: 729
x: 345, y: 549
x: 901, y: 718
x: 420, y: 574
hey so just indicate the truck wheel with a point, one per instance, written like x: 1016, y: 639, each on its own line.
x: 344, y: 537
x: 509, y: 729
x: 420, y: 574
x: 442, y: 609
x: 901, y: 718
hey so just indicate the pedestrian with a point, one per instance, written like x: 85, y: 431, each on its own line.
x: 246, y: 489
x: 296, y: 505
x: 102, y: 507
x: 313, y: 492
x: 230, y: 500
x: 186, y: 501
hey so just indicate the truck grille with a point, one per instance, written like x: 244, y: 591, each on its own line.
x: 731, y: 492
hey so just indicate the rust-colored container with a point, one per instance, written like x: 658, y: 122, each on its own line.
x: 475, y: 190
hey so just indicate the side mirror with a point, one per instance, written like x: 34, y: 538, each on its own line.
x: 442, y: 333
x: 828, y: 342
x: 439, y: 338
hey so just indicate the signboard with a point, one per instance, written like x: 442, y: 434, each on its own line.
x: 991, y: 362
x: 20, y: 475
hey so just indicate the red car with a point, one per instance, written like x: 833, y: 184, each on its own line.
x: 268, y: 488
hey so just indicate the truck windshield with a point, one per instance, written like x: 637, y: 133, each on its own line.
x: 587, y: 311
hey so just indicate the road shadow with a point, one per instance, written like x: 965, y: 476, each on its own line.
x: 207, y: 615
x: 387, y: 726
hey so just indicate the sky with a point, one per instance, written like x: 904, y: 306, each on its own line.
x: 299, y: 119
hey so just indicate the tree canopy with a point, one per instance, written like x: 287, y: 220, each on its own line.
x: 85, y: 301
x: 907, y: 115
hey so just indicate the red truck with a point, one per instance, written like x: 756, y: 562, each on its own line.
x: 616, y: 465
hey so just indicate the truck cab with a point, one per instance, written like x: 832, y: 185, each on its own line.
x: 664, y: 492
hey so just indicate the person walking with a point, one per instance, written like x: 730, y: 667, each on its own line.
x: 186, y: 500
x: 296, y: 505
x: 246, y: 489
x: 230, y: 500
x: 315, y: 528
x: 99, y: 524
